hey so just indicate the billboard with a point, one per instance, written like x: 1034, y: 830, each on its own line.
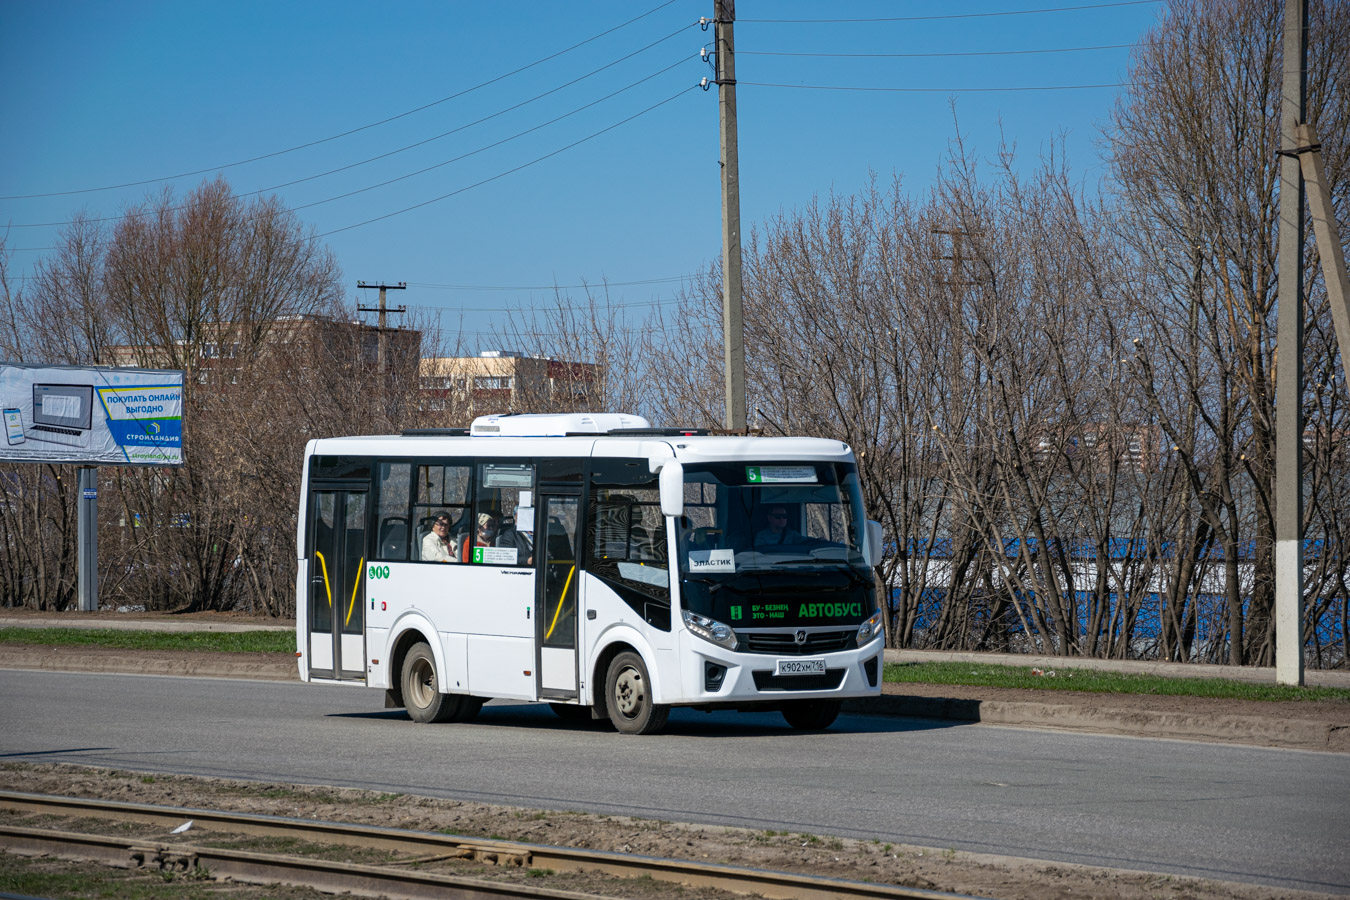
x: 92, y: 416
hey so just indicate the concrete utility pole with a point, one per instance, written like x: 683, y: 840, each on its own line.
x: 1289, y: 358
x: 733, y: 333
x: 382, y: 310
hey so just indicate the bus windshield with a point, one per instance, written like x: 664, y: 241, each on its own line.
x: 769, y: 518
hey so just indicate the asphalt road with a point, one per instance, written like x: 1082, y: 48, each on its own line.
x: 1279, y: 817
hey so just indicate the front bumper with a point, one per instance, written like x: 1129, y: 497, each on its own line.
x: 749, y: 677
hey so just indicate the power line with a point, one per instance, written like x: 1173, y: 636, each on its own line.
x: 510, y: 335
x: 476, y: 184
x: 507, y: 287
x: 933, y: 90
x: 934, y: 55
x: 513, y: 170
x: 505, y: 140
x: 454, y: 159
x: 352, y: 131
x: 1014, y: 12
x: 442, y: 310
x: 548, y: 287
x: 429, y: 140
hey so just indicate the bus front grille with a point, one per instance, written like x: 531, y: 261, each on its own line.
x: 765, y: 680
x: 785, y: 644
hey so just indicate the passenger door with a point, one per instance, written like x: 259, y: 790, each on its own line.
x: 557, y: 550
x: 337, y: 557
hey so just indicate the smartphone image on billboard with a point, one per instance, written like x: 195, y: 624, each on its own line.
x: 14, y: 427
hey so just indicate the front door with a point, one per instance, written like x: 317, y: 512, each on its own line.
x: 337, y: 557
x: 555, y: 544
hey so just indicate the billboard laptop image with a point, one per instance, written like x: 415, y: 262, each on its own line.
x: 61, y: 414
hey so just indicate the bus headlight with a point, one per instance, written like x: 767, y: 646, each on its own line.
x: 710, y: 629
x: 869, y: 629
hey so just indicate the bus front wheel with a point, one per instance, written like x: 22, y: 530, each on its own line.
x: 628, y: 695
x: 422, y: 695
x: 811, y: 715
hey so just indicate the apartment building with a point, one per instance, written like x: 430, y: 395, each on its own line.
x: 506, y: 380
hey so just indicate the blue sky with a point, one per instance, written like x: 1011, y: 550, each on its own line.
x: 101, y: 94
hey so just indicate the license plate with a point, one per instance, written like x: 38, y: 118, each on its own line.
x: 800, y: 667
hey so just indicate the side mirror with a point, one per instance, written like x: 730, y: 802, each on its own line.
x: 872, y: 546
x: 671, y: 482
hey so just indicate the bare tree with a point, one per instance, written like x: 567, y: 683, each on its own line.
x: 1193, y: 150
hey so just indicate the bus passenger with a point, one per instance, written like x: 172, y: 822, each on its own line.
x: 484, y: 536
x: 523, y: 542
x: 436, y: 546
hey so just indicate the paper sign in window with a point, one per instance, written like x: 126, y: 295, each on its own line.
x: 712, y: 561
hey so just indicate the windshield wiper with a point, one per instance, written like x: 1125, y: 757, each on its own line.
x: 795, y: 560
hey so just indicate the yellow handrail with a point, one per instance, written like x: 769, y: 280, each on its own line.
x: 324, y: 566
x: 558, y: 611
x: 360, y: 570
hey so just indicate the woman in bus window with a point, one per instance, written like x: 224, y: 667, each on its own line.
x: 436, y: 546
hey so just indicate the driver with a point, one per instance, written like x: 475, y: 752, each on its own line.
x: 776, y: 530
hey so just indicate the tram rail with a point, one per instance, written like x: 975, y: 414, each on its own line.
x: 391, y: 880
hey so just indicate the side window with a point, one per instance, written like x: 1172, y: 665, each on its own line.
x: 628, y: 538
x: 647, y: 534
x: 826, y: 522
x: 394, y: 528
x: 502, y: 531
x: 441, y: 513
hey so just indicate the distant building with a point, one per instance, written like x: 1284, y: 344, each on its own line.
x: 216, y: 356
x: 506, y: 381
x: 1134, y: 448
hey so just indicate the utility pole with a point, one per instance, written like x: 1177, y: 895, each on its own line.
x: 957, y: 257
x: 733, y: 332
x: 1289, y: 357
x: 382, y: 310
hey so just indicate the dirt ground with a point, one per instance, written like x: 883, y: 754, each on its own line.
x: 922, y: 867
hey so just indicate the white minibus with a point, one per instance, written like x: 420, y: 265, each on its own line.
x: 608, y: 568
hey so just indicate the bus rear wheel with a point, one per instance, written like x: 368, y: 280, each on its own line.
x: 422, y: 695
x: 628, y: 696
x: 811, y: 715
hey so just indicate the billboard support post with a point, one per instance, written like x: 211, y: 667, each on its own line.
x: 87, y: 538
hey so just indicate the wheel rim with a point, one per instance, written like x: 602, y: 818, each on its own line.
x: 422, y: 683
x: 629, y: 692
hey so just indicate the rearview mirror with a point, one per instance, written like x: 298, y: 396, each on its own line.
x: 872, y: 547
x: 672, y: 489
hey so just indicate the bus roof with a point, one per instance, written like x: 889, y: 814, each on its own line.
x: 688, y: 449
